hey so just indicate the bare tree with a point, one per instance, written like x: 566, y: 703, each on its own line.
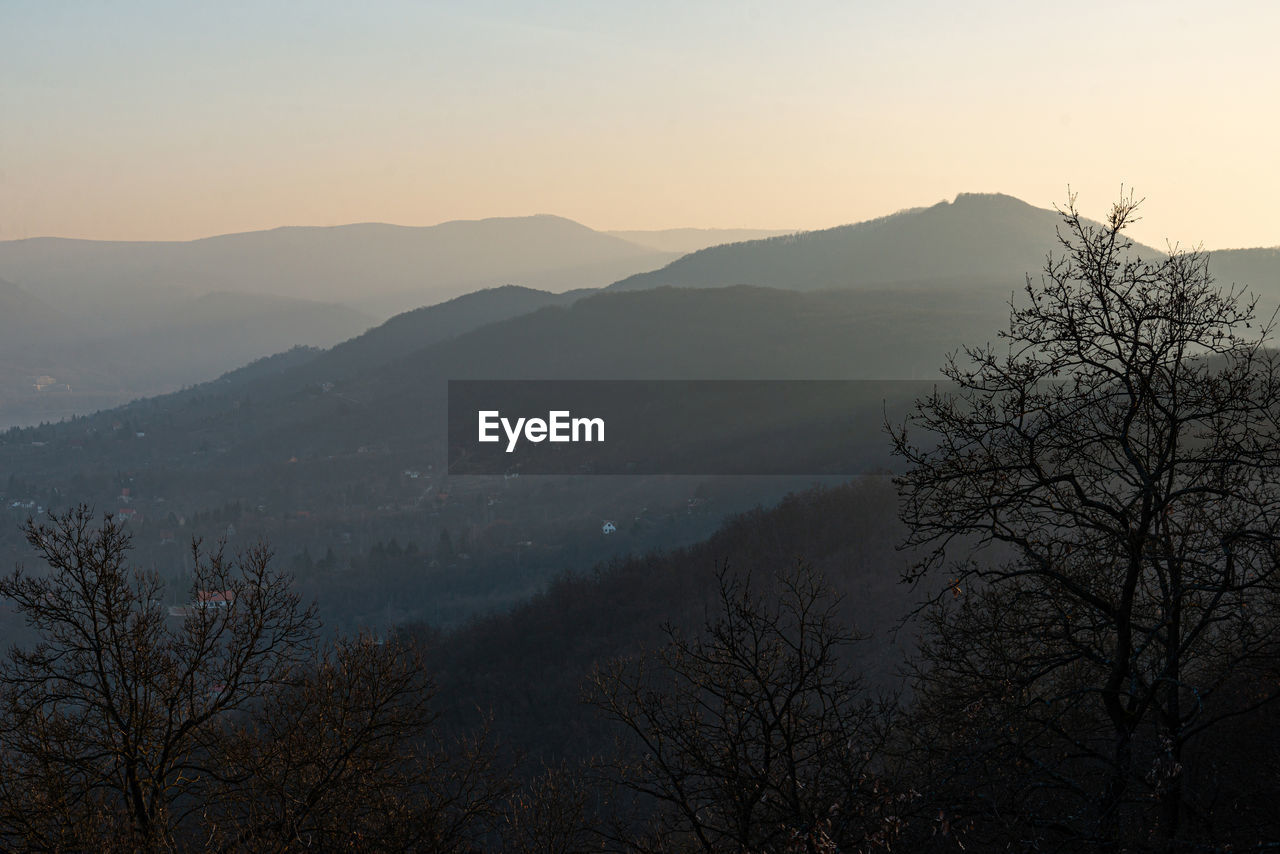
x: 346, y: 758
x: 755, y: 736
x: 227, y: 728
x: 551, y: 814
x: 108, y: 720
x: 1122, y: 448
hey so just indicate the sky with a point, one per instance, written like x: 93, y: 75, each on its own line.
x: 173, y: 120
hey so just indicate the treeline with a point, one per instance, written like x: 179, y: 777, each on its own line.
x: 237, y: 726
x: 737, y: 695
x: 528, y: 666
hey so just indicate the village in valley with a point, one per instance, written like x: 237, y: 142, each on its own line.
x: 399, y: 540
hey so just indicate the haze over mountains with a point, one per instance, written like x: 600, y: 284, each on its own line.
x: 55, y: 363
x: 981, y: 241
x: 107, y: 321
x: 110, y: 321
x: 93, y: 324
x: 25, y: 320
x: 377, y: 268
x: 384, y: 389
x: 344, y: 448
x: 684, y: 240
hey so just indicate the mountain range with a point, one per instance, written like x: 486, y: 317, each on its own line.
x: 979, y: 241
x: 968, y: 256
x: 112, y: 320
x: 349, y: 440
x: 377, y: 268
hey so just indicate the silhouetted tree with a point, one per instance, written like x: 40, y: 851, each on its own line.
x: 345, y: 757
x: 126, y: 728
x: 552, y: 815
x: 754, y: 736
x: 108, y: 721
x: 1122, y: 452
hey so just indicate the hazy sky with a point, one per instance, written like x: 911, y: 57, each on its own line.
x: 171, y: 120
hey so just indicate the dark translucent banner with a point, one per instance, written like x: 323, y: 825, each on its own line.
x: 703, y: 427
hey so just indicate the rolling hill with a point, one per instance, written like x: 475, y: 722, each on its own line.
x: 181, y: 341
x: 349, y: 441
x: 424, y: 327
x: 1258, y: 269
x: 359, y: 459
x: 370, y: 393
x: 685, y: 240
x: 977, y: 240
x: 112, y: 321
x: 143, y: 318
x: 387, y: 267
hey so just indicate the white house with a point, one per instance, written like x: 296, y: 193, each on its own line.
x: 214, y: 598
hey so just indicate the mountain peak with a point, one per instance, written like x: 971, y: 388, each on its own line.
x: 991, y: 200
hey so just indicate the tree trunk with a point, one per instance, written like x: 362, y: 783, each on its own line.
x: 1109, y: 810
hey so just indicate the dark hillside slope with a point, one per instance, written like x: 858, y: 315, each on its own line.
x: 732, y: 333
x: 425, y: 327
x: 360, y: 460
x: 529, y: 666
x: 668, y: 333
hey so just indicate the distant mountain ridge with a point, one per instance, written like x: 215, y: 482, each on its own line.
x: 352, y: 439
x: 425, y: 327
x: 685, y: 240
x: 176, y: 343
x: 352, y: 264
x: 1257, y: 269
x: 387, y: 390
x: 140, y: 326
x: 979, y: 239
x: 345, y: 447
x: 112, y: 321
